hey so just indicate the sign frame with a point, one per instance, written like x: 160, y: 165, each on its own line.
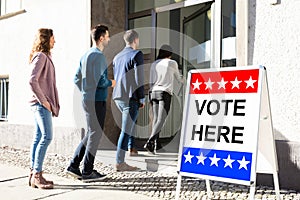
x: 264, y: 158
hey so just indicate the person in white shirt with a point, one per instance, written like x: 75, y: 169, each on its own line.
x: 162, y: 74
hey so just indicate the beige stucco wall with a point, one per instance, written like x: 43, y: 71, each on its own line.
x: 275, y: 43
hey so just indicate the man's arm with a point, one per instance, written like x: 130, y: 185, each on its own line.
x: 139, y: 77
x: 100, y: 72
x: 78, y: 78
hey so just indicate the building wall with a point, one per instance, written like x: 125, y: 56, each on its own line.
x: 71, y: 26
x: 274, y: 43
x: 71, y: 33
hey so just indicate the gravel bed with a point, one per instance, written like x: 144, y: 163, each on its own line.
x: 154, y: 184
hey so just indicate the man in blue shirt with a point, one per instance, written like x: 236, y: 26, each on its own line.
x: 91, y: 79
x: 128, y: 93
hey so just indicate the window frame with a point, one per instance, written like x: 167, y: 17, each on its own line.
x: 4, y: 90
x: 4, y: 14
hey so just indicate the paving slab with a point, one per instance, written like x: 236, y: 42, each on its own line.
x: 14, y: 186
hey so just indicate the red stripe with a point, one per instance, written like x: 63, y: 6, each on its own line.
x: 248, y: 82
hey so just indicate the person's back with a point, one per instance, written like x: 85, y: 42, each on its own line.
x: 93, y: 68
x: 162, y: 75
x: 128, y: 72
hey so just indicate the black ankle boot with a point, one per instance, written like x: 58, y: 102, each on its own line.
x: 149, y: 146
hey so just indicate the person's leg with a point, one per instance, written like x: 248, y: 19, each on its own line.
x: 131, y: 146
x: 44, y: 136
x: 134, y: 111
x: 131, y: 142
x: 149, y: 146
x: 123, y: 138
x: 43, y: 119
x: 79, y: 153
x: 133, y: 114
x: 80, y: 150
x: 167, y: 103
x: 155, y: 111
x: 129, y: 116
x: 73, y: 168
x: 36, y: 137
x: 161, y: 111
x: 122, y: 147
x: 97, y: 112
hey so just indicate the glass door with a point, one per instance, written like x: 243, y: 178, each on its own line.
x: 197, y: 40
x: 144, y: 23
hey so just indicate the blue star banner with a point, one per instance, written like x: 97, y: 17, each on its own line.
x: 217, y: 163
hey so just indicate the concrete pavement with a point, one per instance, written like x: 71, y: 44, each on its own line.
x: 142, y: 185
x: 14, y: 186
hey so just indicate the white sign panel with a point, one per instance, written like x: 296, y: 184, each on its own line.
x: 220, y: 128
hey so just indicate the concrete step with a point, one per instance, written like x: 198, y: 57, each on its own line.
x: 159, y: 162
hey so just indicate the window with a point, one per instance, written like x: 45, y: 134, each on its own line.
x: 10, y: 6
x: 3, y: 97
x: 141, y: 25
x: 197, y: 39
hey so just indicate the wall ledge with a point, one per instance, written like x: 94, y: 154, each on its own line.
x: 12, y: 14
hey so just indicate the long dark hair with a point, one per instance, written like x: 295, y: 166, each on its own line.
x: 165, y: 51
x: 41, y: 42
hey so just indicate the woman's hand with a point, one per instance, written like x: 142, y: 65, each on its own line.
x: 47, y: 105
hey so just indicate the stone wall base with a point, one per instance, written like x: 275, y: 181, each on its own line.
x: 65, y: 141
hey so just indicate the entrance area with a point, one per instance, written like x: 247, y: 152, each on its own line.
x: 202, y: 35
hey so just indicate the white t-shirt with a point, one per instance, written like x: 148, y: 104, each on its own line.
x: 162, y: 74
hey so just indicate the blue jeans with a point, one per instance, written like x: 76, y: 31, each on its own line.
x: 131, y: 142
x: 95, y: 112
x: 130, y: 111
x: 42, y: 136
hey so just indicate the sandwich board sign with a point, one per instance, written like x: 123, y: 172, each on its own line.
x: 227, y: 132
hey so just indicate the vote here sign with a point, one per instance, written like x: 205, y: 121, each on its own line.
x: 220, y: 124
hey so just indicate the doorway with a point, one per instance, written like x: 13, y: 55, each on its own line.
x: 202, y: 35
x: 177, y: 26
x: 197, y: 40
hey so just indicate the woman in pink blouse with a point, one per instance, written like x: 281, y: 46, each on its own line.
x: 44, y: 103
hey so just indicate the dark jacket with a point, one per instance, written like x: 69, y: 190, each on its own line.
x: 129, y: 75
